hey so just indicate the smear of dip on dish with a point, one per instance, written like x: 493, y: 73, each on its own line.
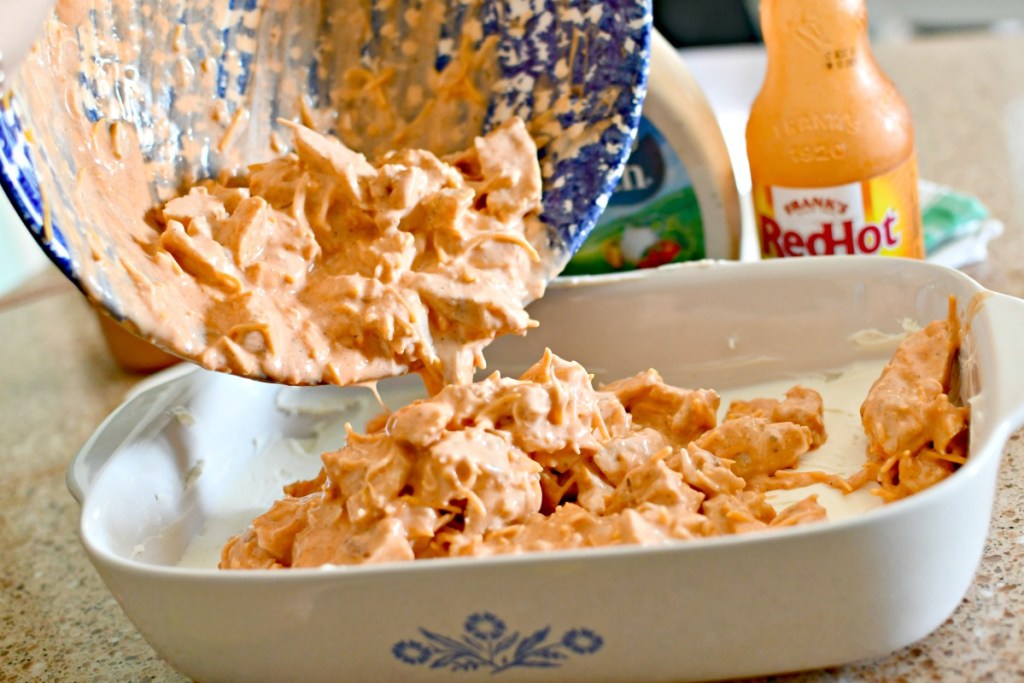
x: 917, y: 431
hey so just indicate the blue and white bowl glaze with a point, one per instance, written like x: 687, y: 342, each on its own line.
x: 582, y: 66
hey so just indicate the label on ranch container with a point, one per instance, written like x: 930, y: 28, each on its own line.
x: 652, y: 218
x: 879, y: 216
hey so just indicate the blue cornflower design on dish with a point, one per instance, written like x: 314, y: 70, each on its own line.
x: 485, y: 626
x: 411, y: 652
x: 487, y: 644
x: 582, y: 641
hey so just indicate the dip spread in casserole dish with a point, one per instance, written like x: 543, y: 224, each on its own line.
x: 548, y: 461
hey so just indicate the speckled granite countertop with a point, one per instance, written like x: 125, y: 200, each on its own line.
x: 57, y: 383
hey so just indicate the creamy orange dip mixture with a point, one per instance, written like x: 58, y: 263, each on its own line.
x: 322, y: 266
x: 548, y: 461
x: 545, y: 461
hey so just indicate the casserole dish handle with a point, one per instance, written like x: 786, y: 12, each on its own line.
x: 1003, y: 398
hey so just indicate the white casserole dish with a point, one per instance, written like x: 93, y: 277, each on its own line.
x: 786, y: 600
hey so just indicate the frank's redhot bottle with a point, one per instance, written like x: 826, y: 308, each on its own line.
x: 830, y: 140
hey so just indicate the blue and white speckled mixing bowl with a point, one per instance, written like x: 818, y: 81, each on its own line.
x: 186, y: 88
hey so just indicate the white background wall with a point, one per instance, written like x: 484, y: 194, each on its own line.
x: 896, y: 19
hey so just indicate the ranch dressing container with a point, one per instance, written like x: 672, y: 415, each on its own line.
x: 677, y: 199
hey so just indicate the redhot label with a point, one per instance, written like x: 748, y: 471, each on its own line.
x: 878, y: 216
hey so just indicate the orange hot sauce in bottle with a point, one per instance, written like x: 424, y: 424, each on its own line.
x: 829, y: 139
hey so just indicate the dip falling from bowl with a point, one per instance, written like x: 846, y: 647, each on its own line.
x: 319, y: 266
x: 126, y: 105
